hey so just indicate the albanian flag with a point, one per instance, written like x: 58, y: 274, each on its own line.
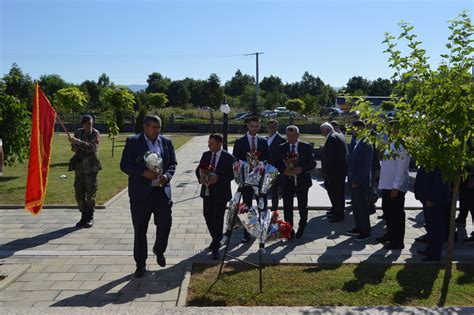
x: 42, y: 130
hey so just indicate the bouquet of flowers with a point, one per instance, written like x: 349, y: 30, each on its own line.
x: 154, y: 162
x: 234, y: 206
x: 254, y: 177
x: 239, y: 167
x: 253, y: 157
x: 256, y: 222
x: 291, y: 162
x: 206, y: 171
x: 269, y: 177
x: 279, y: 229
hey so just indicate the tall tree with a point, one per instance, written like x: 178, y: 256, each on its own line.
x: 213, y: 92
x: 119, y: 101
x: 357, y: 85
x: 271, y: 84
x: 157, y: 83
x: 157, y: 100
x: 104, y: 81
x: 196, y: 90
x: 178, y: 94
x: 19, y: 85
x: 380, y: 87
x: 70, y: 99
x: 434, y: 109
x: 93, y: 90
x: 51, y: 83
x: 236, y: 85
x: 296, y: 105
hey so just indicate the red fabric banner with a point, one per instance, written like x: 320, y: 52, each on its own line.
x: 42, y: 130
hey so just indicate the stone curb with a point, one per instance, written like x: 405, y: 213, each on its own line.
x: 13, y: 272
x: 183, y: 289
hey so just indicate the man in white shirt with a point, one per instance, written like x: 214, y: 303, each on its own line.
x: 394, y: 185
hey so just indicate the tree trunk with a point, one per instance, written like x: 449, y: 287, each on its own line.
x: 449, y: 253
x: 113, y: 145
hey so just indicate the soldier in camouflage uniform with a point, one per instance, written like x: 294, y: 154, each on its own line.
x: 86, y: 165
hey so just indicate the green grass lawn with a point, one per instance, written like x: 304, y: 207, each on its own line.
x: 328, y: 285
x: 60, y: 191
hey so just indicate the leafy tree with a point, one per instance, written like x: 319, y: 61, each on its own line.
x: 19, y: 85
x: 273, y: 99
x: 434, y: 108
x: 292, y: 89
x: 157, y: 100
x: 15, y: 126
x: 157, y: 83
x: 296, y: 105
x: 271, y: 84
x: 357, y: 83
x: 238, y: 83
x: 119, y: 100
x: 311, y: 85
x: 70, y: 99
x: 247, y: 99
x: 380, y: 87
x: 311, y: 104
x: 112, y: 129
x: 178, y: 94
x: 93, y: 90
x: 213, y: 92
x: 51, y: 83
x: 103, y: 81
x: 196, y: 89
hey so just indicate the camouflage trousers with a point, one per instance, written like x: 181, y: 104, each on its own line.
x: 85, y: 186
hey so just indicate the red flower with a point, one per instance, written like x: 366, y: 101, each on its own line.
x: 285, y: 230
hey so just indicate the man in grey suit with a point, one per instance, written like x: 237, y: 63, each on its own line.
x: 360, y: 173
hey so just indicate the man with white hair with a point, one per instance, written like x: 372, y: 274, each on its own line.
x: 334, y: 160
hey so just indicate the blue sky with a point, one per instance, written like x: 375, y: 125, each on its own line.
x: 335, y: 40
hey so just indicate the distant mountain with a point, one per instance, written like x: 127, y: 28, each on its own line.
x: 136, y: 87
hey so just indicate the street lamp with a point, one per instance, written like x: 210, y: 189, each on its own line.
x: 225, y: 109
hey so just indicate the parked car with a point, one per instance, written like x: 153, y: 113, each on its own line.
x: 268, y: 113
x: 244, y: 116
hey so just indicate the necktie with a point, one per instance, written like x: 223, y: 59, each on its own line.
x: 213, y: 160
x: 254, y: 147
x: 293, y: 148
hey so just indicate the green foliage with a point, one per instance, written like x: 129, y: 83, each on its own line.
x: 112, y: 127
x: 70, y: 99
x: 213, y: 92
x: 238, y: 83
x: 178, y: 94
x: 15, y: 126
x: 51, y: 83
x: 296, y: 105
x: 157, y: 83
x: 139, y: 121
x: 434, y: 107
x: 119, y: 100
x: 19, y: 85
x: 157, y: 100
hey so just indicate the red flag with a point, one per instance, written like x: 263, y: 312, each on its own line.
x: 42, y: 130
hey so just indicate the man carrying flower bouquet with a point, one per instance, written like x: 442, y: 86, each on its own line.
x: 149, y: 188
x: 215, y: 173
x: 251, y: 147
x: 295, y: 162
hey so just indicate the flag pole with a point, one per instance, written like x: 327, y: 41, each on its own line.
x: 62, y: 125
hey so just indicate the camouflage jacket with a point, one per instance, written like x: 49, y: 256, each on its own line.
x: 86, y: 152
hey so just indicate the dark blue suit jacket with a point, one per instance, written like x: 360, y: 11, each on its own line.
x: 133, y: 165
x: 242, y: 147
x: 225, y: 174
x: 306, y: 161
x: 360, y: 165
x: 429, y: 186
x: 275, y: 148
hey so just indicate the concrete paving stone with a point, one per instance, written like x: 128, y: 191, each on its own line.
x: 56, y: 268
x: 34, y: 277
x: 92, y: 285
x: 137, y: 296
x: 18, y: 304
x: 66, y: 285
x: 170, y: 295
x: 16, y: 286
x: 89, y: 276
x: 111, y: 276
x: 36, y: 285
x: 61, y: 276
x: 109, y: 268
x: 83, y: 268
x: 75, y: 296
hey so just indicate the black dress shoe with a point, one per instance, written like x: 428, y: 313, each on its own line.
x: 469, y: 240
x: 215, y: 255
x: 394, y: 246
x: 383, y: 239
x: 353, y: 232
x: 160, y: 259
x: 140, y: 272
x: 81, y: 223
x: 89, y: 223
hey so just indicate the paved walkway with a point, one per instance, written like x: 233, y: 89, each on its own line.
x: 93, y: 267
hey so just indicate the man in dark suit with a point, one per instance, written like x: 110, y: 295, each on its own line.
x: 274, y: 139
x: 435, y: 195
x: 149, y: 191
x: 306, y: 162
x: 214, y: 204
x: 334, y: 170
x: 360, y: 173
x: 250, y: 142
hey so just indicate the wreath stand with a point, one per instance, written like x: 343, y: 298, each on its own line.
x: 261, y: 245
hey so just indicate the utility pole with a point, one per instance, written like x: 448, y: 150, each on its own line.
x: 256, y: 80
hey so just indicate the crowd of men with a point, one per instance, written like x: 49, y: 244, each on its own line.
x: 368, y: 171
